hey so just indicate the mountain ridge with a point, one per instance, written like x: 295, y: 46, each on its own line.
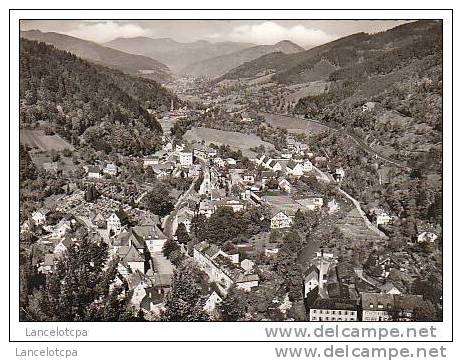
x: 176, y: 55
x: 219, y: 65
x: 130, y: 63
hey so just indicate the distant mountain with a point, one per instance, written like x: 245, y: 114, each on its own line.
x: 319, y: 62
x: 219, y: 65
x: 175, y: 54
x: 83, y: 101
x: 129, y: 63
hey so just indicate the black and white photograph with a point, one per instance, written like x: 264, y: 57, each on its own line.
x: 231, y: 170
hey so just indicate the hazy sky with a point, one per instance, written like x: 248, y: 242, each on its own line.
x: 306, y: 33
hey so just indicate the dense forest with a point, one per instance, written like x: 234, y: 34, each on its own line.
x: 86, y: 102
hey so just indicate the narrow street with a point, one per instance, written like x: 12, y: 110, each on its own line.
x: 167, y: 223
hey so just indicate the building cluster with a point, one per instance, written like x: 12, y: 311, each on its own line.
x: 334, y: 294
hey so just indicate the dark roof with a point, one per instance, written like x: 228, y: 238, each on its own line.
x: 409, y: 302
x: 133, y: 255
x: 311, y: 269
x: 373, y: 301
x: 335, y: 304
x: 94, y: 169
x: 148, y: 232
x: 338, y: 290
x: 122, y: 215
x: 292, y: 164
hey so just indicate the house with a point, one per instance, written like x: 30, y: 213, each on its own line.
x: 339, y: 174
x: 152, y: 237
x: 312, y: 202
x: 99, y: 220
x: 382, y: 218
x: 115, y: 222
x: 247, y: 264
x: 204, y: 152
x: 377, y: 307
x: 161, y: 170
x: 49, y: 262
x: 263, y: 160
x: 185, y: 157
x: 185, y: 216
x: 390, y: 288
x: 246, y: 281
x: 63, y: 245
x: 231, y: 161
x: 248, y: 178
x: 111, y: 169
x: 367, y: 107
x: 167, y: 146
x: 284, y: 185
x: 307, y: 166
x: 428, y: 237
x: 282, y: 219
x: 311, y: 279
x: 217, y: 194
x: 205, y: 255
x: 138, y: 286
x: 235, y: 204
x: 271, y: 251
x: 212, y: 302
x: 207, y: 207
x: 128, y: 239
x: 331, y: 309
x: 179, y: 147
x: 40, y: 216
x: 294, y: 169
x: 149, y: 161
x: 408, y: 307
x: 94, y: 172
x: 222, y: 268
x: 134, y: 259
x: 162, y: 283
x: 53, y: 168
x: 58, y: 230
x: 428, y: 232
x: 332, y: 206
x: 274, y: 165
x: 219, y: 161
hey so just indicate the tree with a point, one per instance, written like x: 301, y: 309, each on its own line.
x: 169, y: 246
x: 182, y: 234
x: 158, y: 200
x: 81, y: 288
x: 184, y: 300
x: 233, y: 307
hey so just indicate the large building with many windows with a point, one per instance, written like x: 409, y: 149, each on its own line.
x: 330, y: 309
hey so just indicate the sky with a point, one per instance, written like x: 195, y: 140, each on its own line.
x: 307, y: 33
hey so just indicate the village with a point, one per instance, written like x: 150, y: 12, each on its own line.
x: 347, y: 270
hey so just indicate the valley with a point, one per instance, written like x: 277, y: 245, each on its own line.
x: 242, y: 181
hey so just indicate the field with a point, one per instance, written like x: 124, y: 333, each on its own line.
x: 307, y: 89
x: 292, y: 124
x: 38, y: 139
x: 234, y: 139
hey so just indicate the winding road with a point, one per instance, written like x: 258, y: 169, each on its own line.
x: 358, y: 141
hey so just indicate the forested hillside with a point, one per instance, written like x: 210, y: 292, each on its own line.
x: 132, y: 64
x: 86, y: 102
x: 342, y: 53
x: 400, y: 87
